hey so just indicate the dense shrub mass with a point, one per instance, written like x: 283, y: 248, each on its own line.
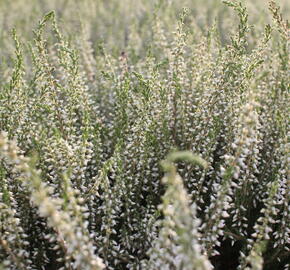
x: 140, y: 135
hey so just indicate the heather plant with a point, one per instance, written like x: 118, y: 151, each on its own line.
x: 144, y: 135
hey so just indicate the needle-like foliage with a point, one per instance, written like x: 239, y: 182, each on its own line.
x: 144, y: 135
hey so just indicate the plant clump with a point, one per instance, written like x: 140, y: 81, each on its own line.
x: 156, y: 141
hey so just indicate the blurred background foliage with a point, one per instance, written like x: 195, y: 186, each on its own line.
x: 127, y: 23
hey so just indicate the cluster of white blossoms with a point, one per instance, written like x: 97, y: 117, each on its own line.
x: 100, y: 93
